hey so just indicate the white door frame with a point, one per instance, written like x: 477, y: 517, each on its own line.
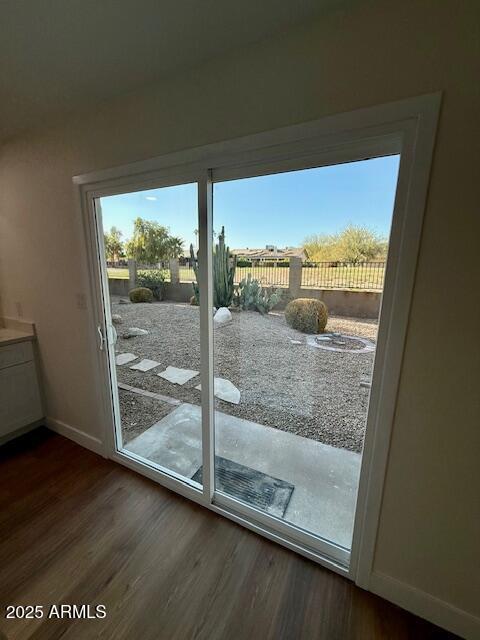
x: 408, y: 126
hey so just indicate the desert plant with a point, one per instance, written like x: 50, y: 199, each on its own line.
x: 153, y: 279
x: 251, y: 295
x: 140, y: 294
x: 307, y: 315
x: 243, y: 262
x: 224, y: 264
x: 352, y: 244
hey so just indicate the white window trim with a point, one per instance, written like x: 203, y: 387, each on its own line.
x: 408, y: 124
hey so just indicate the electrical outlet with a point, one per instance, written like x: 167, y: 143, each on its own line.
x: 19, y: 309
x: 81, y: 301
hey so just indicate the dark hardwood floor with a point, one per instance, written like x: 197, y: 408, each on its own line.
x: 78, y: 529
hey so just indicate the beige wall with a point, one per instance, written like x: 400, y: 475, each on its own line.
x: 377, y: 52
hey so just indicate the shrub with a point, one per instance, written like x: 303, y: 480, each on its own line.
x: 152, y: 279
x: 243, y: 262
x: 307, y: 315
x: 251, y: 295
x: 141, y: 294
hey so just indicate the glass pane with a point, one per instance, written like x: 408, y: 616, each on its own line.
x: 292, y: 383
x: 147, y: 247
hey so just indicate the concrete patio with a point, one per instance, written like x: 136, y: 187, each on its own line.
x: 325, y: 477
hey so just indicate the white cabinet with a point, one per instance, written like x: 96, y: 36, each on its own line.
x: 20, y: 402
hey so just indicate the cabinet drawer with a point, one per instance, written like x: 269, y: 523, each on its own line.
x: 17, y: 353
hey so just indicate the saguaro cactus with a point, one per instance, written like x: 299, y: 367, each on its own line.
x: 224, y: 265
x: 194, y: 262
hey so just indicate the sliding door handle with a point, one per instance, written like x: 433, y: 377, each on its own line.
x: 102, y: 339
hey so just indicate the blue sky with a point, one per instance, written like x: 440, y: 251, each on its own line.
x: 280, y: 209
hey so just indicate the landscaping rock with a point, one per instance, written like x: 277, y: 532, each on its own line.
x: 222, y: 316
x: 124, y: 301
x: 225, y: 390
x: 133, y: 332
x: 117, y: 318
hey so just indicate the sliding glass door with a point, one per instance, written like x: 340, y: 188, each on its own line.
x: 153, y: 311
x: 250, y: 304
x: 299, y: 260
x: 241, y: 313
x: 245, y: 315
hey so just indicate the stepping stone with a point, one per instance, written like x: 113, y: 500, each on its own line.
x: 124, y: 358
x: 225, y: 390
x: 177, y: 375
x: 145, y: 365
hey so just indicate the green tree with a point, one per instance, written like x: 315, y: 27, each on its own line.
x: 175, y: 247
x: 114, y: 249
x: 321, y: 247
x: 151, y: 242
x: 353, y: 244
x: 360, y: 244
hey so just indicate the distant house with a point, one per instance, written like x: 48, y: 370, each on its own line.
x: 271, y: 253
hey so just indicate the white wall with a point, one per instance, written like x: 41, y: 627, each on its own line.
x: 378, y: 52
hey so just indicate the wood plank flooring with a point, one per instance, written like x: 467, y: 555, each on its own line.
x: 78, y: 529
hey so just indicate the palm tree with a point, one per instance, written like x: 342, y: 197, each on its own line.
x: 175, y: 247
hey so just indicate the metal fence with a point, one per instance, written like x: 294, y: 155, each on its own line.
x: 314, y: 275
x: 267, y: 275
x: 343, y: 275
x: 186, y: 274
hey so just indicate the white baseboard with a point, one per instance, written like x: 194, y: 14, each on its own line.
x: 80, y: 437
x: 426, y: 606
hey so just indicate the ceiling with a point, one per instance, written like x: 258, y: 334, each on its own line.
x: 57, y: 56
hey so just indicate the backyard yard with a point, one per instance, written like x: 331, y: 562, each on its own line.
x: 284, y: 381
x: 317, y: 275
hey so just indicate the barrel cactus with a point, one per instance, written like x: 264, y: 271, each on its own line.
x: 307, y: 315
x: 141, y: 294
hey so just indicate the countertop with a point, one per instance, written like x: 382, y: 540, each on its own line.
x: 11, y: 336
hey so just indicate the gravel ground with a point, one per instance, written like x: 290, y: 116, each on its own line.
x: 139, y: 413
x: 307, y: 391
